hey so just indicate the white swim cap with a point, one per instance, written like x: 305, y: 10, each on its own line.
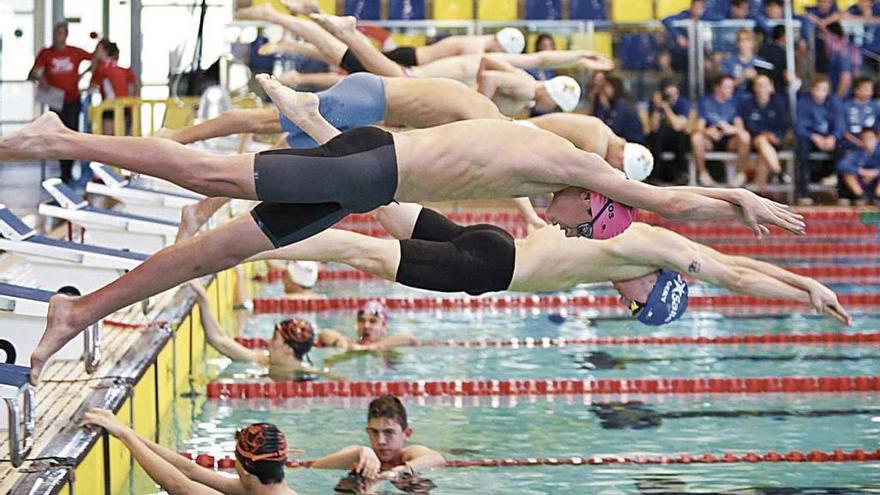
x: 638, y: 162
x: 565, y: 92
x: 511, y: 40
x: 303, y: 273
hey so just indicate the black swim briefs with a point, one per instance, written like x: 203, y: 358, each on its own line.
x: 403, y: 55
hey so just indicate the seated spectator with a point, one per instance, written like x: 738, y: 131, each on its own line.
x: 614, y: 107
x: 668, y: 116
x: 818, y: 127
x: 859, y: 170
x: 543, y: 42
x: 844, y: 60
x: 678, y: 35
x: 597, y: 85
x: 664, y: 67
x: 776, y: 61
x: 819, y: 16
x: 741, y: 65
x: 716, y: 129
x: 765, y: 117
x: 867, y: 11
x: 859, y: 114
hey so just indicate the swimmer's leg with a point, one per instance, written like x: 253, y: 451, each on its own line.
x: 372, y: 59
x: 212, y: 175
x: 193, y: 216
x: 211, y: 252
x: 320, y: 80
x: 333, y: 48
x: 399, y: 219
x: 237, y: 121
x: 379, y: 257
x: 300, y: 108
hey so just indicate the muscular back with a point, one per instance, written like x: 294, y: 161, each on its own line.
x: 429, y: 102
x: 483, y: 159
x: 452, y: 46
x: 584, y: 131
x: 461, y: 68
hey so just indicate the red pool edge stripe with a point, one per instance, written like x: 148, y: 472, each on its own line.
x: 276, y: 305
x: 792, y: 456
x: 511, y: 387
x: 827, y: 338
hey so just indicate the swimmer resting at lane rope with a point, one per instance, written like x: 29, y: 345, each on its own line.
x: 260, y: 457
x: 306, y: 191
x: 286, y: 354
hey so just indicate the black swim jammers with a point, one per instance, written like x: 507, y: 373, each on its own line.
x: 305, y: 191
x: 403, y: 55
x: 446, y: 257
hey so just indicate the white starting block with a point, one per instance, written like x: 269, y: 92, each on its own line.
x: 23, y: 312
x: 57, y: 263
x: 137, y: 199
x: 16, y: 393
x: 106, y: 227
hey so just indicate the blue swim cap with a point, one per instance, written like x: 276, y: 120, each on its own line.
x: 667, y: 301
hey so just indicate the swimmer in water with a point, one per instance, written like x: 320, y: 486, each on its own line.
x: 287, y: 354
x: 372, y: 329
x: 260, y: 457
x: 299, y: 279
x: 387, y: 457
x: 307, y: 191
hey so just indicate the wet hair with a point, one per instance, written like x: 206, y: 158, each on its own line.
x: 261, y: 449
x: 544, y: 36
x: 388, y: 406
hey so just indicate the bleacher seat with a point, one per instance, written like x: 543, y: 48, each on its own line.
x: 364, y: 10
x: 600, y: 42
x: 453, y: 10
x: 666, y: 8
x: 560, y: 39
x: 406, y: 10
x: 588, y: 10
x: 497, y: 10
x: 800, y: 6
x: 638, y: 51
x: 632, y: 11
x: 401, y: 39
x: 545, y: 10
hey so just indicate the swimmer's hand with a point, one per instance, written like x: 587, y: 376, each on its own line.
x: 824, y: 300
x: 757, y: 213
x: 105, y: 419
x: 368, y: 464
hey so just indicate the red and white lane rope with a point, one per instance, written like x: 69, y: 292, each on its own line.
x: 792, y: 456
x: 829, y: 338
x: 610, y: 303
x: 509, y: 387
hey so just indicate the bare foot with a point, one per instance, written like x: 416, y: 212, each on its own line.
x: 165, y: 133
x: 289, y: 78
x: 295, y: 105
x: 193, y: 216
x: 261, y: 12
x: 60, y: 329
x: 302, y: 7
x: 31, y: 142
x: 336, y: 25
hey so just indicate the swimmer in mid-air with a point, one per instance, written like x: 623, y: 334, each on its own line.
x: 307, y: 191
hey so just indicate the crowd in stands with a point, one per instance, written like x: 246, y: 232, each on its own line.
x: 746, y: 111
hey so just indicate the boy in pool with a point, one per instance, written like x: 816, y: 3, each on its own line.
x: 386, y: 457
x: 372, y: 330
x: 260, y: 457
x: 287, y: 354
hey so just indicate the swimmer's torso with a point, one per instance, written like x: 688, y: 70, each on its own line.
x: 480, y: 159
x: 461, y: 68
x: 429, y: 102
x: 586, y: 132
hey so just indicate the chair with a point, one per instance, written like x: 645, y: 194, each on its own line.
x: 544, y: 10
x: 365, y: 10
x: 497, y: 10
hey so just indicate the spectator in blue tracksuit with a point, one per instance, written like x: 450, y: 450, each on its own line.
x: 859, y: 113
x: 825, y: 12
x: 717, y: 129
x: 741, y: 66
x: 818, y: 127
x: 859, y: 170
x: 613, y: 106
x: 678, y: 35
x: 844, y: 60
x: 765, y: 116
x: 867, y: 11
x: 774, y: 10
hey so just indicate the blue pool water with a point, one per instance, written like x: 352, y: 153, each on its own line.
x: 561, y: 426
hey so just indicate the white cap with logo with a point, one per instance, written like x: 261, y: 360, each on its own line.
x: 565, y: 92
x: 511, y: 40
x: 638, y: 162
x: 303, y: 273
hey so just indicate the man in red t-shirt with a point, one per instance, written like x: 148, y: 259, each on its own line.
x: 112, y: 80
x: 58, y: 67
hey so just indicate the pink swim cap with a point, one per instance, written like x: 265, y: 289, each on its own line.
x: 610, y: 218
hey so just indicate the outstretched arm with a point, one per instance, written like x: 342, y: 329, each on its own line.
x: 419, y: 457
x: 161, y: 471
x: 664, y: 248
x: 557, y: 59
x: 214, y: 334
x: 193, y: 471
